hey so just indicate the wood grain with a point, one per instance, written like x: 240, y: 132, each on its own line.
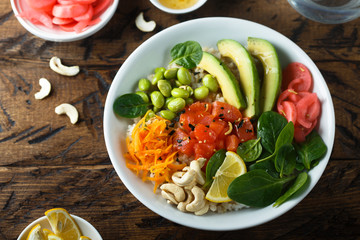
x: 47, y: 162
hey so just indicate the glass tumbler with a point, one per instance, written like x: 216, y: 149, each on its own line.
x: 328, y: 11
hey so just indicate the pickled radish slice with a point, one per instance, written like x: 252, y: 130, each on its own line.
x: 300, y: 85
x: 86, y: 16
x: 69, y: 11
x: 41, y: 5
x: 62, y: 21
x: 289, y: 111
x: 69, y: 15
x: 296, y: 70
x: 101, y: 6
x: 297, y: 103
x: 37, y: 17
x: 308, y: 109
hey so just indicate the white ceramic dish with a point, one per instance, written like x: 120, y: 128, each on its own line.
x: 58, y: 35
x: 197, y: 5
x: 155, y: 52
x: 85, y: 227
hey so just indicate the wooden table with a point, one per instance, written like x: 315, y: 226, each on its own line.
x: 47, y: 162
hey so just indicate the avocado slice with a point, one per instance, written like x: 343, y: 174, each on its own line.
x: 270, y: 87
x: 226, y: 79
x: 249, y: 79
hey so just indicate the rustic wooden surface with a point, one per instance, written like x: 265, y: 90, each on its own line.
x: 46, y: 162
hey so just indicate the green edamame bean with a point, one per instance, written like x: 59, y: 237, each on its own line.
x: 144, y: 84
x: 167, y: 100
x: 156, y: 109
x: 176, y: 104
x: 184, y: 76
x: 179, y: 93
x: 151, y: 114
x: 178, y: 83
x: 190, y: 90
x: 143, y: 95
x: 201, y: 92
x: 158, y: 76
x: 167, y: 114
x: 170, y: 73
x: 189, y: 101
x: 210, y: 82
x: 157, y: 99
x: 164, y: 87
x: 160, y: 69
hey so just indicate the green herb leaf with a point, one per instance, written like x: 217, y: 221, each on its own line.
x: 187, y: 54
x: 130, y: 105
x: 267, y: 165
x: 250, y: 150
x: 256, y: 188
x: 285, y: 160
x: 269, y: 127
x: 311, y: 150
x: 213, y: 165
x: 299, y: 182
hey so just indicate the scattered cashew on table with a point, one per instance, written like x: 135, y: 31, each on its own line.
x: 184, y: 191
x: 65, y: 108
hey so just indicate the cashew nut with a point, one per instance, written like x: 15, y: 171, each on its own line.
x: 203, y: 210
x: 183, y: 179
x: 57, y: 66
x: 69, y: 110
x: 45, y: 89
x: 190, y: 197
x: 143, y: 25
x: 199, y: 200
x: 173, y: 193
x: 196, y: 166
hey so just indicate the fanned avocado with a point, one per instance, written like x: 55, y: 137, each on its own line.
x: 249, y: 79
x: 226, y: 79
x: 270, y: 87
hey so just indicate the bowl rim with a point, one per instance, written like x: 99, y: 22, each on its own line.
x: 42, y: 32
x: 284, y: 207
x: 194, y: 7
x: 82, y: 223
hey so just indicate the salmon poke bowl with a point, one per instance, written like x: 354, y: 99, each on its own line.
x: 222, y: 128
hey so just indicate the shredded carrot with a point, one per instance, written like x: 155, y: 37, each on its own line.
x: 150, y: 152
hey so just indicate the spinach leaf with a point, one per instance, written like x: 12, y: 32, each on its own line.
x: 213, y: 165
x: 187, y: 54
x: 285, y: 136
x: 311, y: 150
x: 269, y: 127
x: 299, y: 182
x: 256, y: 188
x: 250, y: 150
x: 267, y: 165
x: 285, y: 160
x: 130, y: 105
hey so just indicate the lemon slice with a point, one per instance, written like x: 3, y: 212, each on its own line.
x: 46, y: 232
x: 52, y: 236
x: 232, y: 167
x: 62, y: 224
x: 84, y: 238
x: 36, y: 233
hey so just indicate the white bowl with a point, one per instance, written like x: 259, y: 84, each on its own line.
x: 198, y: 4
x: 155, y: 52
x: 58, y: 35
x: 85, y: 227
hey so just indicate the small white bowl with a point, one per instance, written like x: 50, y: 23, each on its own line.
x: 85, y: 227
x: 58, y: 35
x: 198, y: 4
